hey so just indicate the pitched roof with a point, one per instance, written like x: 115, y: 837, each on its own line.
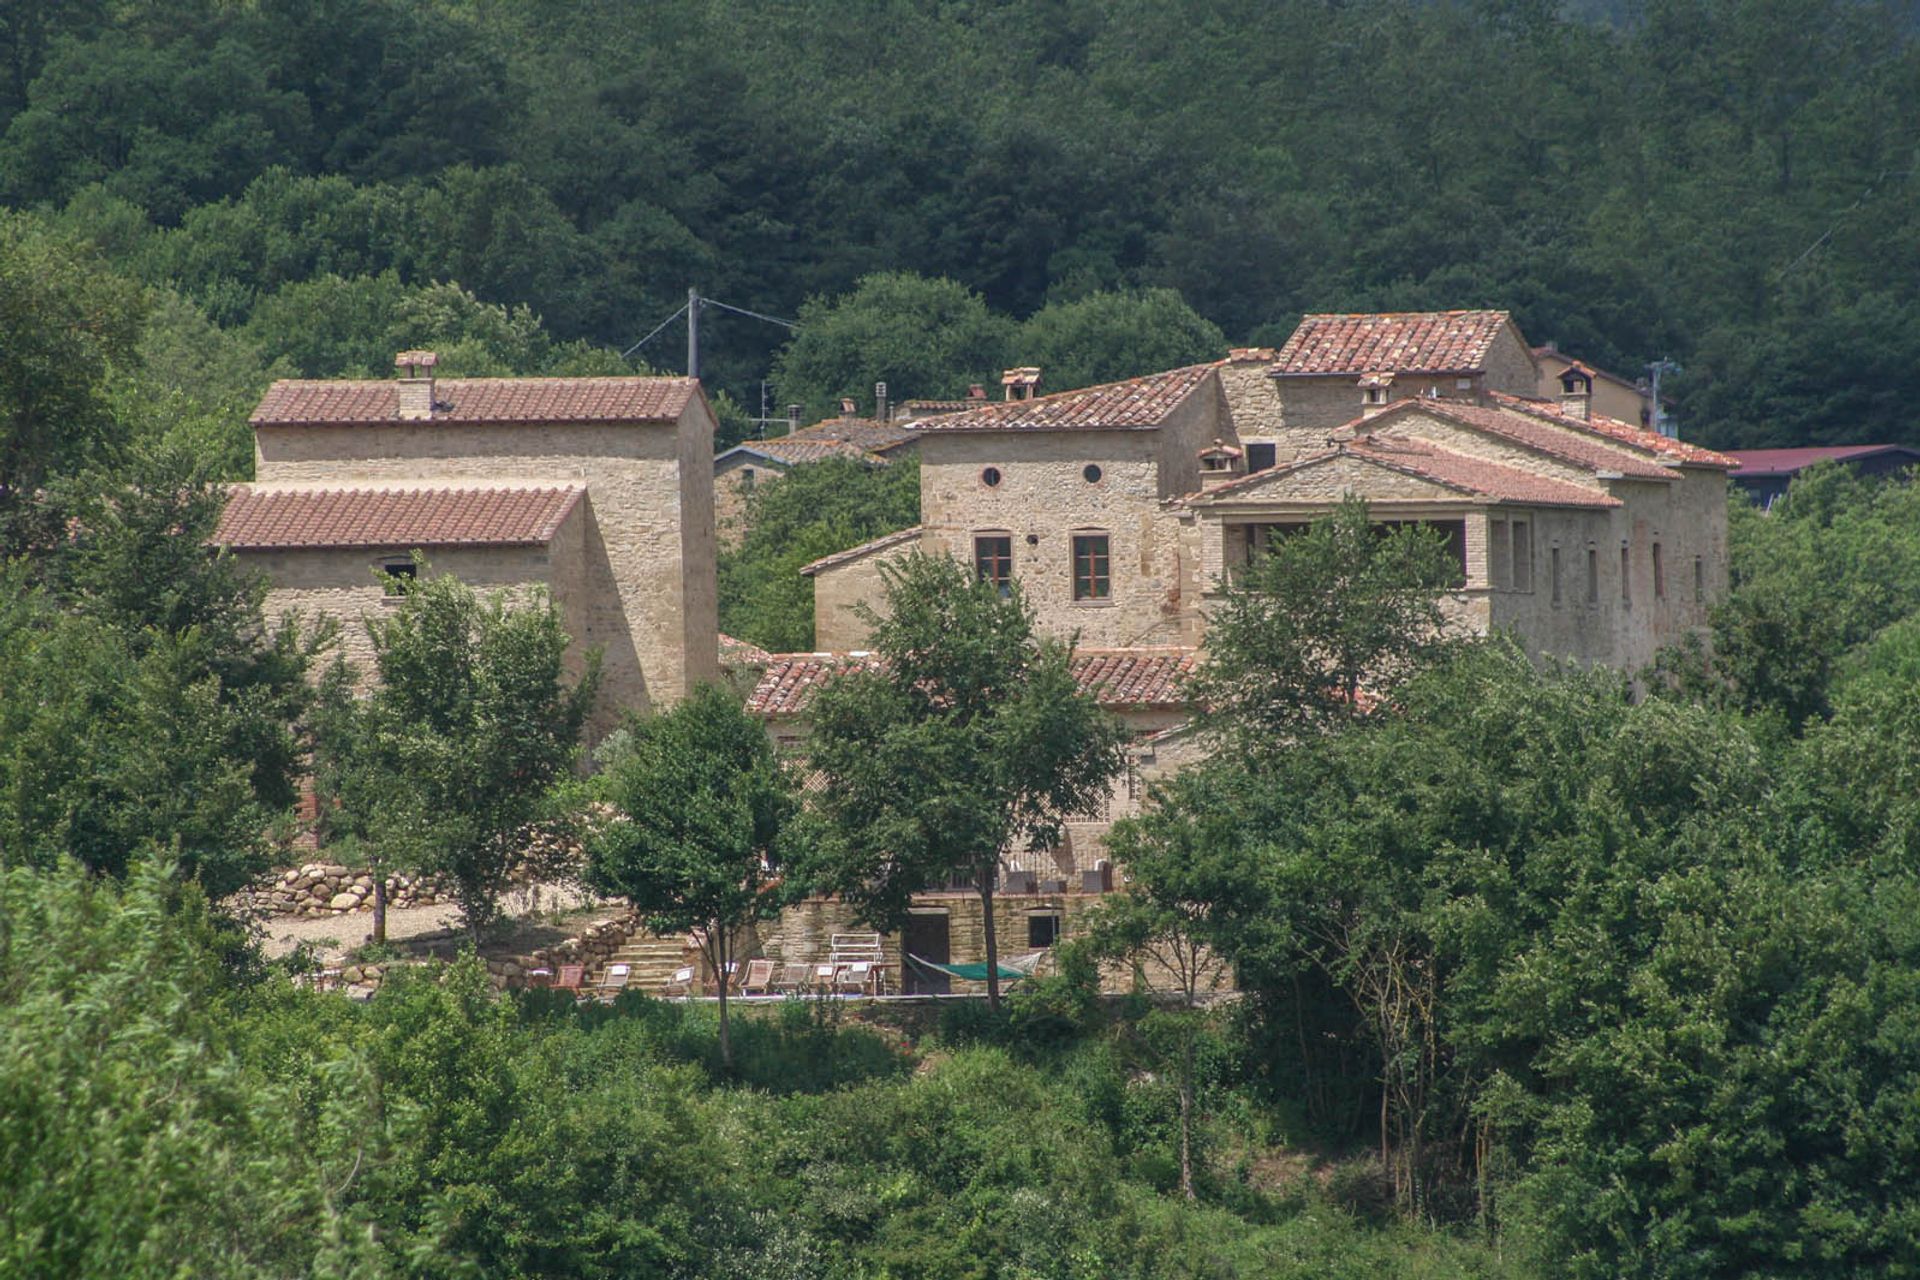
x: 1472, y: 477
x: 1785, y: 462
x: 472, y: 400
x: 258, y: 519
x: 866, y: 433
x: 1137, y: 404
x: 1490, y: 480
x: 1401, y: 341
x: 1614, y: 429
x: 742, y: 653
x: 880, y: 543
x: 786, y: 452
x: 1566, y: 438
x: 1150, y: 677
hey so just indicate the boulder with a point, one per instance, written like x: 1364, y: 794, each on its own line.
x: 343, y: 902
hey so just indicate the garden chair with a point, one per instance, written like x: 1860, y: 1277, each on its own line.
x: 759, y: 978
x: 614, y: 982
x: 571, y: 977
x: 680, y: 984
x: 855, y: 976
x: 793, y: 977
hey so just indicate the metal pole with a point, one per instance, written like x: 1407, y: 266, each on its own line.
x: 693, y: 332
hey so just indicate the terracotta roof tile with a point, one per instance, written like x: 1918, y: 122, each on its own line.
x: 866, y: 433
x: 880, y: 543
x: 258, y: 519
x: 1114, y: 677
x: 467, y: 400
x: 1473, y: 477
x: 1490, y: 480
x: 1134, y: 405
x: 742, y: 653
x: 1614, y: 429
x: 791, y: 453
x: 1555, y: 435
x: 1400, y: 341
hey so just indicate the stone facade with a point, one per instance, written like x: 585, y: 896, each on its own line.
x: 632, y: 567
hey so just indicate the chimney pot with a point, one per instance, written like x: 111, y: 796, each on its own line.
x: 846, y: 406
x: 1020, y: 382
x: 880, y: 401
x: 976, y: 392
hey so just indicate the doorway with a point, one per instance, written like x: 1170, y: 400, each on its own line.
x: 926, y: 936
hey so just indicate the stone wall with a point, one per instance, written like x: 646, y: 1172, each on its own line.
x: 1043, y: 500
x: 837, y: 628
x: 332, y: 889
x: 641, y: 586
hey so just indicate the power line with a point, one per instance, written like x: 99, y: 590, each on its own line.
x: 727, y: 306
x: 656, y: 332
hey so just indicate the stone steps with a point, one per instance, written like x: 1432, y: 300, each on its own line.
x: 653, y: 960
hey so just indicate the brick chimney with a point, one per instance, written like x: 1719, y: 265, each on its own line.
x: 976, y: 392
x: 415, y: 385
x: 1576, y: 391
x: 1020, y: 383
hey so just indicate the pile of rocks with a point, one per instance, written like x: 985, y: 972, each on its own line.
x: 329, y: 889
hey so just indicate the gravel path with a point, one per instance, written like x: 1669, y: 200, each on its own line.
x: 332, y: 937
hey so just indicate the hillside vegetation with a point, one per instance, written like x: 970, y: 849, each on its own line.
x: 1728, y: 183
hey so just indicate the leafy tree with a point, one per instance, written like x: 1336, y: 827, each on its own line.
x: 921, y: 337
x: 813, y: 510
x: 1323, y: 621
x: 1106, y: 337
x: 969, y: 739
x: 68, y: 322
x: 703, y: 821
x: 473, y: 722
x: 140, y: 1143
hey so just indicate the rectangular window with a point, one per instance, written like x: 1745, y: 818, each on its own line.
x: 993, y: 559
x: 1259, y: 456
x: 1699, y: 581
x: 1593, y: 576
x: 1499, y: 562
x: 1553, y: 568
x: 1091, y: 576
x: 1522, y: 556
x: 1659, y: 574
x: 1042, y: 931
x: 397, y: 575
x: 1626, y: 577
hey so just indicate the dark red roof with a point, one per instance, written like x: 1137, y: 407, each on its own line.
x: 1397, y: 341
x: 1116, y: 678
x: 469, y: 400
x: 259, y: 519
x: 1137, y: 404
x: 1786, y: 462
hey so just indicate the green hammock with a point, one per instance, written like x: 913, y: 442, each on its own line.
x: 978, y: 972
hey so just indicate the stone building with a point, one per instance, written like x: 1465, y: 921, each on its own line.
x: 1121, y: 509
x: 1613, y: 395
x: 598, y: 489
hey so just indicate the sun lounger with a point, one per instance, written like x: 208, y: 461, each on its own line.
x: 759, y: 978
x: 571, y: 977
x: 614, y: 982
x: 679, y: 984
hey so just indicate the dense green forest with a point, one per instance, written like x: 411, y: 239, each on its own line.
x: 1727, y: 183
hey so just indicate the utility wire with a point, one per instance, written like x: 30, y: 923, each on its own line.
x: 656, y: 332
x: 724, y: 306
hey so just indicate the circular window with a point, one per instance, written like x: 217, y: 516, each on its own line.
x: 1092, y: 473
x: 990, y: 477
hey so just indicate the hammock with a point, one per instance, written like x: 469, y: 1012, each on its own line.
x: 1011, y: 970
